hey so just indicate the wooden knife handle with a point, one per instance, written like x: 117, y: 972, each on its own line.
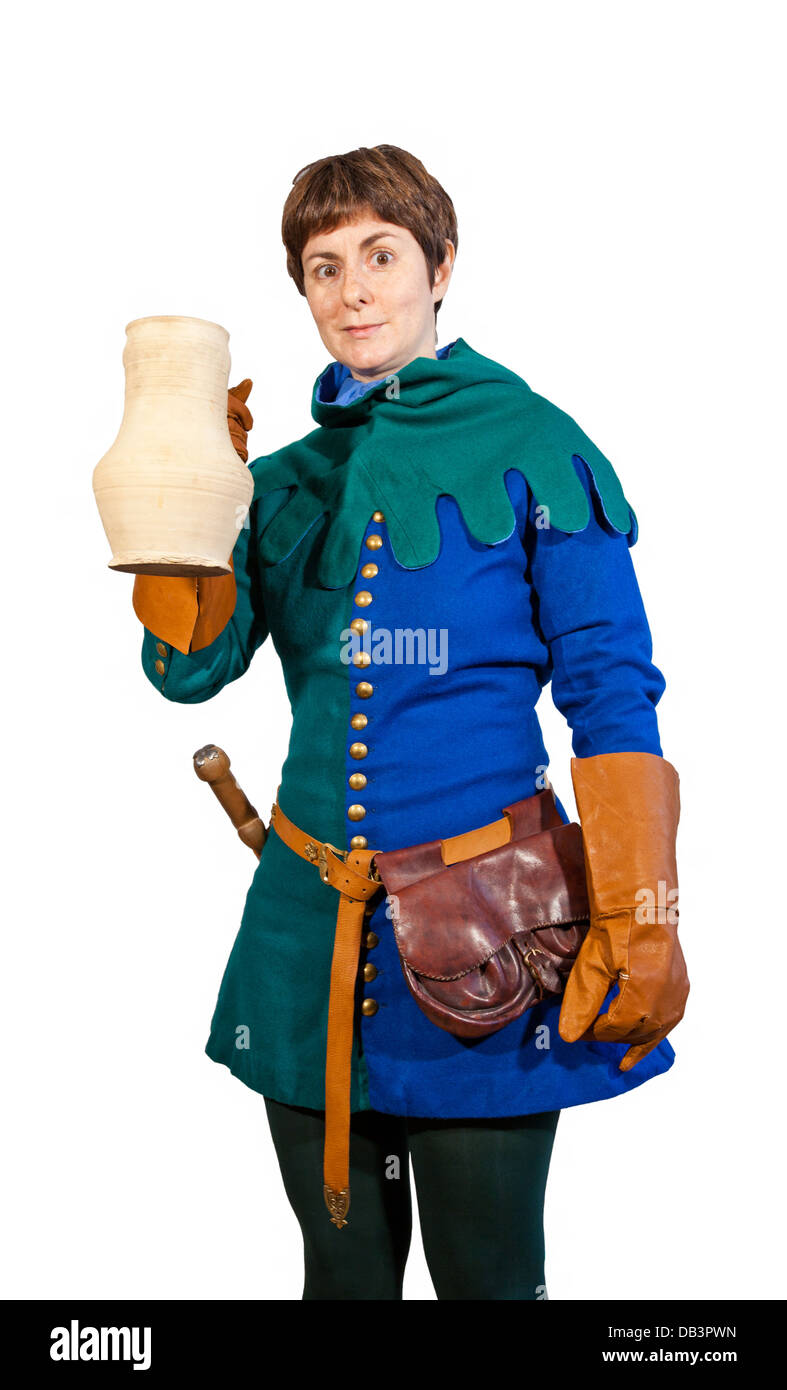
x: 212, y: 765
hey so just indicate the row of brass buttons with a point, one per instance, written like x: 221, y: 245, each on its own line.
x: 162, y: 651
x: 370, y: 972
x: 364, y: 689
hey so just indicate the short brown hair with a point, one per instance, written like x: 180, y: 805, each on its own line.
x: 393, y: 183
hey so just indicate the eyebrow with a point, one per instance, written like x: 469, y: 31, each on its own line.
x: 367, y: 241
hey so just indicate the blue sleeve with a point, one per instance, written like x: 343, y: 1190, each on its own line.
x: 591, y: 616
x: 197, y: 676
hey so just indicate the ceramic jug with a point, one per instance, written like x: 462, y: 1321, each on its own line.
x: 172, y: 492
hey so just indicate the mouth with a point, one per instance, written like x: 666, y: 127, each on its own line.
x: 363, y: 330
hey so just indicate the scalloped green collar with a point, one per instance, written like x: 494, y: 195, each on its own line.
x: 440, y: 425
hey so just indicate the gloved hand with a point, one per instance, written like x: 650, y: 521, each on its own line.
x: 629, y: 807
x: 239, y: 417
x: 186, y: 611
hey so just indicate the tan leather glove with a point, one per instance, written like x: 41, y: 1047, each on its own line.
x: 190, y: 612
x: 629, y: 807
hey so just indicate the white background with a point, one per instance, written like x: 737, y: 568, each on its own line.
x: 617, y: 170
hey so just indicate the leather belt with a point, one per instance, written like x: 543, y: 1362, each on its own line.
x: 352, y: 873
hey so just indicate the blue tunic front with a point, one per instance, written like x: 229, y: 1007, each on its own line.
x: 453, y: 738
x: 604, y: 683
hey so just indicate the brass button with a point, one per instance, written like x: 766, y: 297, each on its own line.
x: 369, y: 1007
x: 358, y: 750
x: 371, y: 940
x: 364, y: 689
x: 370, y: 570
x: 373, y: 542
x: 362, y: 659
x: 357, y: 780
x: 378, y: 516
x: 369, y: 971
x: 359, y: 625
x: 161, y: 649
x: 363, y: 598
x: 359, y: 842
x: 359, y: 721
x: 160, y: 667
x: 356, y: 811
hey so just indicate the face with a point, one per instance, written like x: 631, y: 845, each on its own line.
x: 367, y: 285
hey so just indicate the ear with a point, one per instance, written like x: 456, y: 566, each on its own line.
x: 442, y: 274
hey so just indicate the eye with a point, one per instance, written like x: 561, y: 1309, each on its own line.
x: 375, y: 255
x: 326, y: 266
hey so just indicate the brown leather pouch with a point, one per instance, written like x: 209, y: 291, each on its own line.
x: 484, y: 936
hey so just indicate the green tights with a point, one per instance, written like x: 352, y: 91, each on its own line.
x: 480, y: 1186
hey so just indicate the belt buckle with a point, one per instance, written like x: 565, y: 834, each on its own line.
x: 322, y: 858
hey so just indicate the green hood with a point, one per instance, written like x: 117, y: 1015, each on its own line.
x: 440, y: 425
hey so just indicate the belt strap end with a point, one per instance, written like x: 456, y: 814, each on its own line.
x: 338, y: 1203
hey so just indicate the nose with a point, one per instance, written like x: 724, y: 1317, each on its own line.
x: 355, y: 290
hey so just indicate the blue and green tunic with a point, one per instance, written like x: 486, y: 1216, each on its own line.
x: 485, y: 539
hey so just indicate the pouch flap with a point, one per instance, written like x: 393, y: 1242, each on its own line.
x: 451, y: 921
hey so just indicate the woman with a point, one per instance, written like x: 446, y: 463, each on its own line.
x: 441, y: 505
